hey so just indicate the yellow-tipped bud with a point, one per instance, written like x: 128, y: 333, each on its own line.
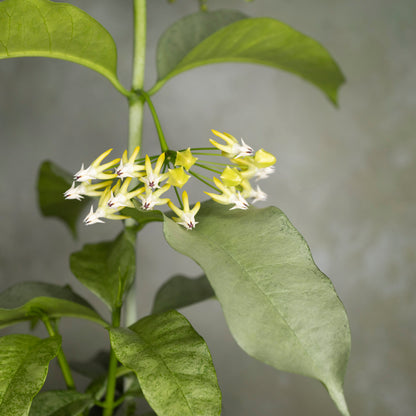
x: 177, y: 177
x: 264, y: 159
x: 231, y: 177
x: 185, y: 159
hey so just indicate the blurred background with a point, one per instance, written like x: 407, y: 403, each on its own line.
x: 345, y: 178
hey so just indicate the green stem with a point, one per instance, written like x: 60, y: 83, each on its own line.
x: 136, y: 107
x: 63, y: 363
x: 201, y: 178
x: 112, y: 370
x: 163, y: 145
x: 208, y: 168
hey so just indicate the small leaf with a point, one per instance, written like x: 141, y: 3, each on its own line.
x: 262, y: 41
x: 181, y: 291
x: 52, y: 183
x: 107, y: 268
x: 172, y: 363
x: 24, y: 361
x: 27, y: 301
x: 57, y: 30
x: 60, y: 403
x: 279, y: 306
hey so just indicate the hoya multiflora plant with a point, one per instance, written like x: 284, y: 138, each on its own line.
x: 252, y: 259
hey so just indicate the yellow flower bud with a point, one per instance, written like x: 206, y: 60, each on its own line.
x: 177, y: 177
x: 231, y: 177
x: 264, y: 159
x: 185, y: 159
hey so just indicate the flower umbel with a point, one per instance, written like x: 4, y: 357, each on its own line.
x: 116, y: 177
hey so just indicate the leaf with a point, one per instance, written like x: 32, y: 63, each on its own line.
x: 279, y: 306
x: 262, y: 41
x: 29, y: 300
x: 181, y: 291
x: 172, y: 363
x: 184, y: 35
x: 60, y: 403
x: 52, y: 183
x: 57, y: 30
x: 107, y: 268
x: 24, y: 361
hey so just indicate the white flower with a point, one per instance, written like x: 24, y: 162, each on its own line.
x: 258, y: 195
x: 186, y: 217
x: 153, y: 198
x: 85, y: 189
x: 127, y: 167
x: 232, y: 149
x: 95, y: 170
x: 229, y: 196
x: 153, y: 176
x: 264, y: 173
x: 120, y: 197
x: 94, y: 217
x: 75, y: 192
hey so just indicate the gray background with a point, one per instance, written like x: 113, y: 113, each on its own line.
x: 344, y: 177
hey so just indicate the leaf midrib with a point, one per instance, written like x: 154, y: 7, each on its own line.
x: 218, y: 245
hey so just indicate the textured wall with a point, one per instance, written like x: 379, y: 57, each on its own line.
x: 344, y: 177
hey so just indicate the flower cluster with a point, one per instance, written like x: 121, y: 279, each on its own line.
x: 120, y: 182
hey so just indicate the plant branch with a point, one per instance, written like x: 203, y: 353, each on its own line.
x: 63, y: 363
x: 112, y: 370
x: 163, y: 145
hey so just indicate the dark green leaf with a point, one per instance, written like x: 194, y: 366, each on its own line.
x: 187, y: 33
x: 107, y: 268
x: 60, y: 403
x: 24, y: 362
x: 279, y: 306
x: 172, y: 363
x: 29, y: 300
x: 57, y: 30
x: 263, y: 41
x: 52, y: 183
x: 181, y: 291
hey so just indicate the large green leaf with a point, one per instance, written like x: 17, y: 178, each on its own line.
x: 60, y: 403
x: 172, y: 363
x: 180, y: 291
x: 57, y: 30
x: 187, y: 33
x: 279, y: 306
x: 30, y: 300
x: 263, y: 41
x: 24, y: 362
x: 107, y: 268
x: 52, y: 183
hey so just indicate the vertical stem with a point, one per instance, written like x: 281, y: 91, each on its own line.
x: 136, y: 106
x: 63, y: 363
x: 112, y: 369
